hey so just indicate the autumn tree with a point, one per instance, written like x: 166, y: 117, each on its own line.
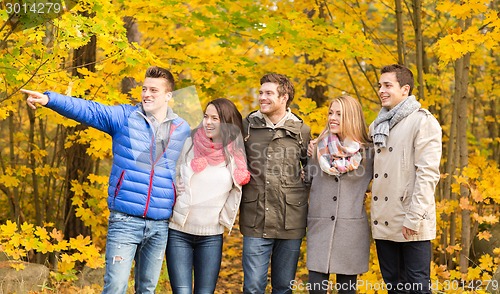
x: 222, y: 48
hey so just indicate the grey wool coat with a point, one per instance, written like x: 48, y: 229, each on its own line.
x: 338, y: 232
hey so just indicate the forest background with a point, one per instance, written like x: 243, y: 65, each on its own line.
x: 53, y: 171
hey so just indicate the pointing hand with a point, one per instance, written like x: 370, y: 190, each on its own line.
x: 35, y: 98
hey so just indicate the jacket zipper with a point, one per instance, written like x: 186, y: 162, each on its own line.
x: 151, y: 175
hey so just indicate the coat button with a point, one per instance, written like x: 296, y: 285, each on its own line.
x: 378, y: 150
x: 375, y: 198
x: 385, y: 175
x: 332, y: 218
x: 386, y: 198
x: 375, y: 222
x: 376, y: 176
x: 390, y: 149
x: 336, y: 179
x: 386, y: 223
x: 334, y: 198
x: 401, y: 198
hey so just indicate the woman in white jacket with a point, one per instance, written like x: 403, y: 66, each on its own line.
x: 211, y: 170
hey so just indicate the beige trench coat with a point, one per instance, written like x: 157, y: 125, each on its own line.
x: 406, y: 173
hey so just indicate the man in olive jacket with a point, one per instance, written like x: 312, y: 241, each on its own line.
x: 273, y: 211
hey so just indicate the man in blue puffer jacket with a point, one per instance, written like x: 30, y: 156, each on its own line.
x: 147, y: 140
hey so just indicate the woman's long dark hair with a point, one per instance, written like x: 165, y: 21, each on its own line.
x: 231, y: 123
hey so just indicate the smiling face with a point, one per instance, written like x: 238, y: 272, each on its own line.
x: 211, y: 124
x: 335, y: 118
x: 155, y: 96
x: 271, y: 104
x: 390, y: 92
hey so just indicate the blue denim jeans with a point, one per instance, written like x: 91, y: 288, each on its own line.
x: 186, y: 252
x: 134, y: 238
x: 405, y: 266
x: 258, y: 252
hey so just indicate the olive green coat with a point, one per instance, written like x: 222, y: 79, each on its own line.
x: 274, y: 202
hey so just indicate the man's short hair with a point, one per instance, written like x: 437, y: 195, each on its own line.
x: 404, y: 76
x: 158, y: 72
x: 285, y: 86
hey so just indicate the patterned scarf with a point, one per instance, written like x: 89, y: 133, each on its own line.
x: 335, y: 157
x: 207, y: 153
x: 387, y: 119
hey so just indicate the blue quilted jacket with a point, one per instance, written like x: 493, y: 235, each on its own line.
x: 140, y: 184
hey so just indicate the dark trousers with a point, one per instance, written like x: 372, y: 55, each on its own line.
x: 405, y: 266
x: 346, y: 284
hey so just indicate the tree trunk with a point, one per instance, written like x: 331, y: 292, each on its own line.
x: 493, y: 129
x: 417, y: 14
x: 462, y: 72
x: 79, y: 163
x: 133, y: 35
x: 400, y: 33
x: 448, y: 195
x: 314, y: 91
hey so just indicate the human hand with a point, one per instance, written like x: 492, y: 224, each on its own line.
x: 310, y: 147
x: 407, y: 233
x: 35, y: 98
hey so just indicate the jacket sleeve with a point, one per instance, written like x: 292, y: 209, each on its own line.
x: 227, y: 216
x: 427, y: 145
x: 176, y: 143
x: 94, y: 114
x: 306, y: 138
x: 180, y: 211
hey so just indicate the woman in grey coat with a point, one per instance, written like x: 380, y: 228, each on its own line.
x: 340, y: 170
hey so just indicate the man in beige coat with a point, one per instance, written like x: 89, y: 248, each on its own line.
x: 407, y: 142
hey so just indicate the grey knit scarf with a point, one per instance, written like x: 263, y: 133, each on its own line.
x: 387, y: 119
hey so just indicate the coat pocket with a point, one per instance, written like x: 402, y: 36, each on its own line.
x: 296, y: 209
x: 118, y: 186
x: 248, y: 207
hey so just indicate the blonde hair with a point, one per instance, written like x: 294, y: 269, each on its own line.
x: 352, y: 120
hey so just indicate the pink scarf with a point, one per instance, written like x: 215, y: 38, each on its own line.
x: 335, y: 157
x: 207, y: 152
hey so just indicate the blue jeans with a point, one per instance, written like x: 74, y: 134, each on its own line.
x: 186, y: 252
x: 134, y: 238
x: 283, y: 254
x: 405, y: 266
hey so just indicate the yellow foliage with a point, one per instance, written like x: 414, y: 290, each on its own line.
x: 474, y: 273
x: 8, y: 229
x: 17, y: 242
x: 9, y: 181
x: 80, y: 242
x: 486, y: 262
x: 465, y: 204
x: 66, y: 264
x: 484, y: 235
x: 18, y: 266
x: 450, y: 249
